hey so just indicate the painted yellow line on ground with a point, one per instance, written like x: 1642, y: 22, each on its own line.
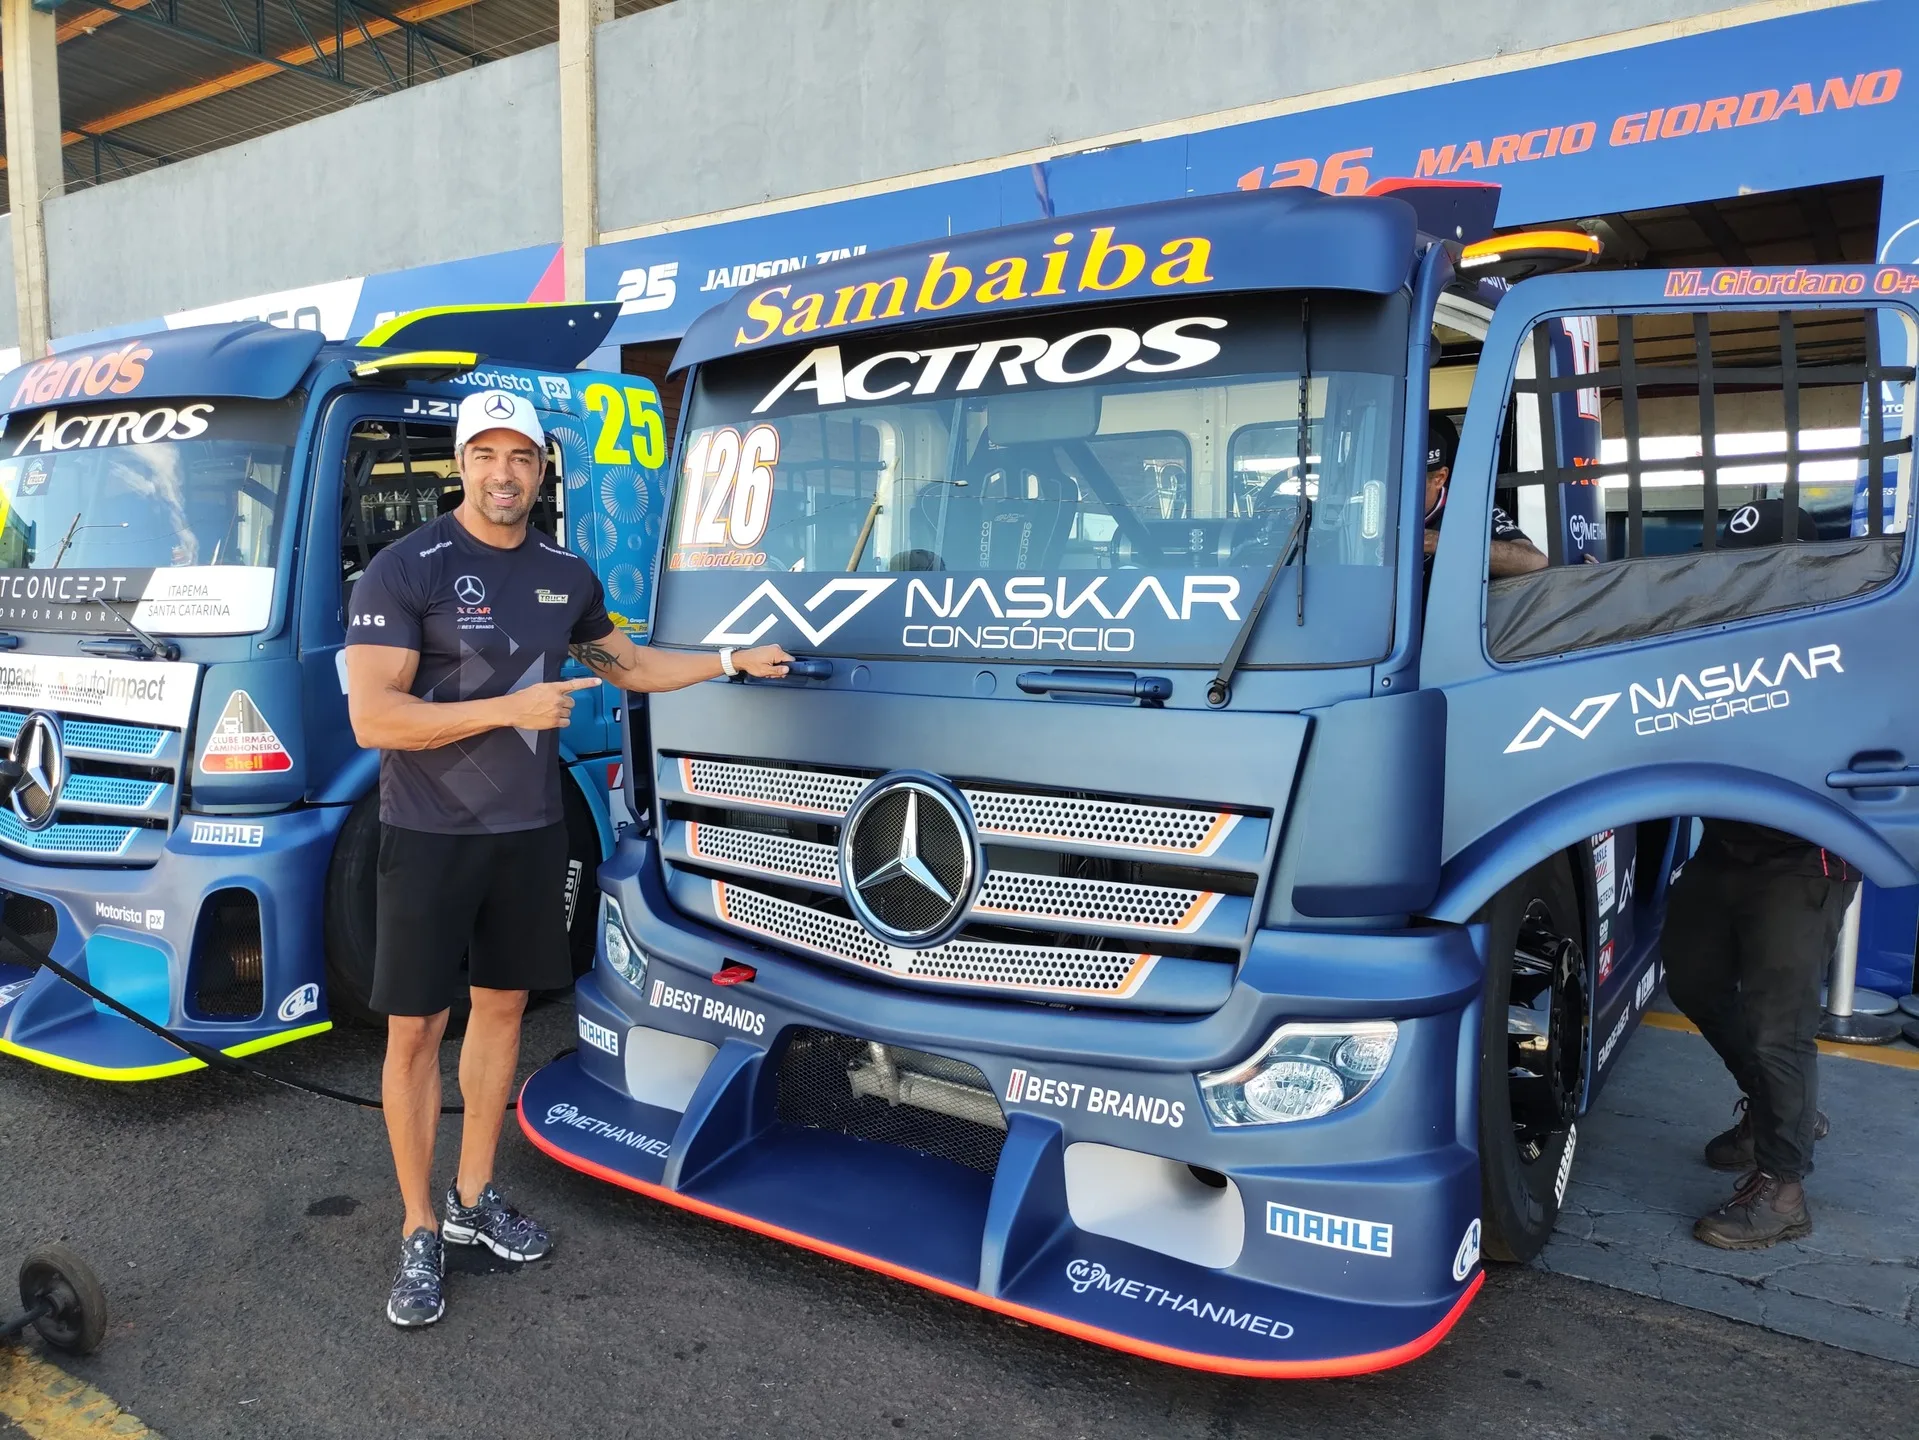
x: 1895, y: 1054
x: 49, y: 1404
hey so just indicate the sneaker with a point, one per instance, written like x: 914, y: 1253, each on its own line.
x: 1763, y: 1211
x: 495, y: 1224
x: 416, y: 1299
x: 1731, y: 1150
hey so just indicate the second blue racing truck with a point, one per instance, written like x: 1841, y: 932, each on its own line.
x: 1179, y: 899
x: 183, y: 518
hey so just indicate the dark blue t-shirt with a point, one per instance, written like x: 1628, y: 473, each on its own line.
x: 486, y: 622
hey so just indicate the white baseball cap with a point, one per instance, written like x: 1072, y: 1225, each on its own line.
x: 497, y: 410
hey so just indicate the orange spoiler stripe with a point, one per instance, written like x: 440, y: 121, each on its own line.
x: 1112, y: 1339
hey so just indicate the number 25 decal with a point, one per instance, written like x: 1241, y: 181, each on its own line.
x: 729, y: 486
x: 649, y: 426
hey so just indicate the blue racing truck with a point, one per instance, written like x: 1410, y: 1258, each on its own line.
x: 1160, y: 905
x: 184, y: 517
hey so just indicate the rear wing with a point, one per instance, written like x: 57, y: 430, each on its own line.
x: 554, y: 337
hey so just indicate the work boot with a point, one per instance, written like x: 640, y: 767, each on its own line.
x: 1731, y: 1150
x: 1763, y: 1211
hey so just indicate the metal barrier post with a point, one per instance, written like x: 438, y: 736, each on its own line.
x: 1842, y: 1021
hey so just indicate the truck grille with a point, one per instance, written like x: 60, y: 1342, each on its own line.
x: 120, y: 796
x: 1086, y: 898
x: 893, y: 1095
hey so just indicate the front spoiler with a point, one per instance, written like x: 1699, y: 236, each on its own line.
x: 1003, y: 1242
x: 95, y: 1044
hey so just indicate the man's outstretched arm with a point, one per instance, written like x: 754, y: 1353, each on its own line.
x: 618, y: 661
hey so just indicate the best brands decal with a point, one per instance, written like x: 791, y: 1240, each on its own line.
x: 1023, y: 1087
x: 663, y: 996
x: 1088, y: 1275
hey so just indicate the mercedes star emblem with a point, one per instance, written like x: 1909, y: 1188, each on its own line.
x: 498, y: 406
x: 908, y: 853
x: 469, y: 589
x: 1744, y: 520
x: 42, y: 759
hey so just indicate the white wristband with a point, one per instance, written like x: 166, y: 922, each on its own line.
x: 727, y: 667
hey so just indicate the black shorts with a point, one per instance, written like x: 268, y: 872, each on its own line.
x: 496, y: 901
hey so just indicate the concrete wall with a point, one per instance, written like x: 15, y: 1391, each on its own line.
x: 464, y: 166
x: 9, y: 316
x: 710, y: 104
x: 743, y: 101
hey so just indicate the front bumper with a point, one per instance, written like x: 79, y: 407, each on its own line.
x: 1267, y: 1276
x: 132, y: 934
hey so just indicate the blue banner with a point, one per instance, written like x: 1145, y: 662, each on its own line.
x: 1801, y: 100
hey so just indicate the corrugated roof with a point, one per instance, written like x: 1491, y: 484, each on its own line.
x: 147, y: 82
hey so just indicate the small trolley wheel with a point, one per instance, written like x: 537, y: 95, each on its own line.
x: 55, y: 1276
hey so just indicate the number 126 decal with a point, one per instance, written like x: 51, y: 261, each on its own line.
x: 729, y: 486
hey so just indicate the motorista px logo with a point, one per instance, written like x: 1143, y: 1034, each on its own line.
x: 1687, y: 699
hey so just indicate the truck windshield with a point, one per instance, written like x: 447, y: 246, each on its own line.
x: 1120, y: 482
x: 171, y: 511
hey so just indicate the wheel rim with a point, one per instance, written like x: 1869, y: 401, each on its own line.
x: 1545, y: 1032
x: 63, y: 1323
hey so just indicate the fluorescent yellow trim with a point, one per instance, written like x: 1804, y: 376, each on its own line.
x: 419, y: 360
x: 155, y: 1072
x: 383, y: 334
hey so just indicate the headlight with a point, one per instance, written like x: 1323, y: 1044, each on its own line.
x: 1303, y: 1072
x: 626, y: 958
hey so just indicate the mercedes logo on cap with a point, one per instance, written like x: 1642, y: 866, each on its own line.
x: 910, y: 859
x: 469, y: 589
x: 498, y: 406
x: 42, y: 758
x: 1744, y: 520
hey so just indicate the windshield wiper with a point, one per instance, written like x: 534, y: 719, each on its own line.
x: 1219, y: 690
x: 153, y: 648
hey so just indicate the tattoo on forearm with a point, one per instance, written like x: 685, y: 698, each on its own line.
x: 595, y: 656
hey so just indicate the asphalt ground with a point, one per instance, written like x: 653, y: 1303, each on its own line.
x: 247, y: 1235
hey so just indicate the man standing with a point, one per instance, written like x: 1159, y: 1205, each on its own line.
x: 454, y: 650
x: 1750, y: 928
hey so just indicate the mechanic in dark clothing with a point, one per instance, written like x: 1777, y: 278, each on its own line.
x: 1512, y: 553
x: 454, y: 648
x: 1750, y: 928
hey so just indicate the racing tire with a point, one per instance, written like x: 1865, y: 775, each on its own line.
x: 582, y: 863
x: 352, y: 887
x: 1535, y: 1032
x: 77, y: 1319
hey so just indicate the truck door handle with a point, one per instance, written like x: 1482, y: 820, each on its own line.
x: 1120, y: 685
x: 1874, y: 779
x: 809, y: 669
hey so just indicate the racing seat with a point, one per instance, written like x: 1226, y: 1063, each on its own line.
x: 1014, y: 512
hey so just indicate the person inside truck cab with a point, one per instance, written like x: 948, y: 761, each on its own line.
x: 1512, y: 552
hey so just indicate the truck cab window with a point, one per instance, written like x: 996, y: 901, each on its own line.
x: 400, y: 475
x: 1690, y: 468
